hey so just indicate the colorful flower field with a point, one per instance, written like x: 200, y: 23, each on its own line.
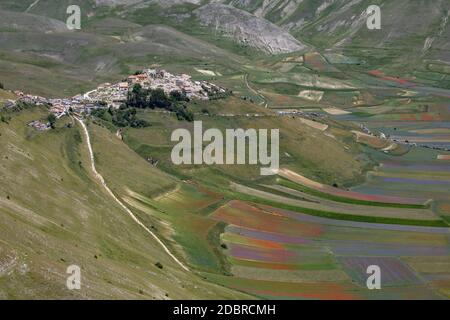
x: 417, y: 172
x: 276, y: 253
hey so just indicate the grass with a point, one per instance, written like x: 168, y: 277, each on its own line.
x: 48, y: 193
x: 214, y: 237
x: 302, y: 148
x: 107, y: 147
x: 341, y: 216
x: 298, y: 187
x: 151, y: 15
x: 53, y: 213
x: 5, y: 95
x: 176, y: 211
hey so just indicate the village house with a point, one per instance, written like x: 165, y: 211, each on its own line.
x: 39, y: 125
x: 132, y: 80
x: 114, y: 95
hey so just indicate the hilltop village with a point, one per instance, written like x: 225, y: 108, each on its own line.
x: 114, y: 95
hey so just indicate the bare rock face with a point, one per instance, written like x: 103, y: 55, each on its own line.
x: 248, y: 29
x: 421, y: 26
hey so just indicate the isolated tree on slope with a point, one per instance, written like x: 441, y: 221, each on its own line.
x: 51, y: 120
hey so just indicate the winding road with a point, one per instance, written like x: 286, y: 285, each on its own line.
x: 100, y: 178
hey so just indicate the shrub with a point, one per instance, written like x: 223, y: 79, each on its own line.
x: 51, y: 118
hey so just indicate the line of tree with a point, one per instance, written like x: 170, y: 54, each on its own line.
x: 176, y: 101
x: 123, y: 117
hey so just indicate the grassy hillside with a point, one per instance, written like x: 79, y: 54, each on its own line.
x: 5, y: 95
x: 362, y: 142
x: 66, y: 218
x: 260, y: 244
x: 302, y: 147
x: 39, y: 55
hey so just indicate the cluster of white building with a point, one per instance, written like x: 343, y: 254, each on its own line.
x: 30, y: 99
x: 113, y: 95
x: 58, y: 107
x: 40, y: 126
x: 161, y: 79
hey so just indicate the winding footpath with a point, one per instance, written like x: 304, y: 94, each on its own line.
x: 32, y: 5
x: 265, y: 103
x: 99, y: 177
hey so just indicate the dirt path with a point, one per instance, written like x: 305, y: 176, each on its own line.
x: 266, y: 105
x: 32, y: 5
x: 99, y: 177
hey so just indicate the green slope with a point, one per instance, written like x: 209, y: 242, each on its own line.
x: 53, y: 214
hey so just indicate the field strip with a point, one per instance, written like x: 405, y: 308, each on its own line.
x: 102, y: 181
x: 336, y: 111
x: 357, y: 208
x: 297, y: 178
x: 314, y: 124
x: 167, y: 193
x: 360, y: 135
x: 341, y: 208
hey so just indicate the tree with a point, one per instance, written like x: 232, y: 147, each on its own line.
x: 123, y: 117
x: 139, y: 97
x: 184, y: 114
x: 2, y: 86
x: 159, y: 99
x: 51, y: 118
x: 177, y: 96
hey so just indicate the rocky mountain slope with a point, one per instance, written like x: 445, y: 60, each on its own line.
x: 247, y: 28
x: 280, y: 26
x: 417, y: 25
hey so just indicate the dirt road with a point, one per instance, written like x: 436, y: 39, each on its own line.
x: 100, y: 178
